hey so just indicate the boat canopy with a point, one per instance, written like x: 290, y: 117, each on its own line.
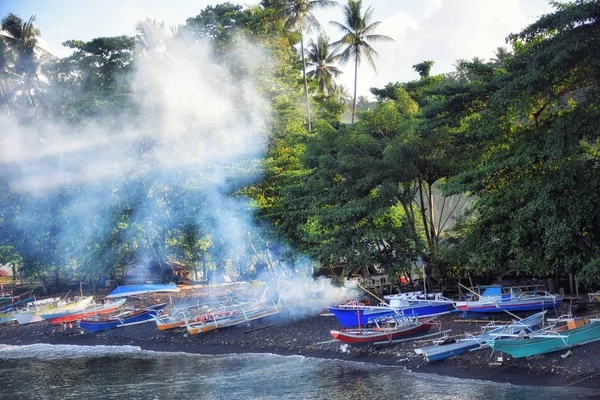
x: 130, y: 290
x: 492, y: 291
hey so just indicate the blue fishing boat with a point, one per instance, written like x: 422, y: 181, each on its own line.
x: 450, y: 348
x: 406, y: 304
x: 132, y: 290
x: 559, y: 337
x: 497, y: 299
x: 134, y: 317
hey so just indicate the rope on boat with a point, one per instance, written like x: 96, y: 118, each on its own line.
x: 411, y: 339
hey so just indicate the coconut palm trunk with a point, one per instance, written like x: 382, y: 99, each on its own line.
x: 358, y: 32
x: 308, y: 125
x: 355, y: 82
x: 297, y: 14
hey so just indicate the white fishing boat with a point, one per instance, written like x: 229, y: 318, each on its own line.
x: 34, y: 309
x: 449, y: 347
x: 232, y: 315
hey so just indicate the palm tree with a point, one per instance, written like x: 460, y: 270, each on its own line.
x: 21, y: 39
x: 342, y: 94
x: 501, y: 55
x: 320, y: 59
x: 299, y: 17
x: 5, y: 73
x: 358, y: 31
x: 150, y: 37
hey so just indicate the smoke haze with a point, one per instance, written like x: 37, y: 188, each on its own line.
x: 200, y: 129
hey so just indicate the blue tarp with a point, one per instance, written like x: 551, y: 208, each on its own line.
x: 492, y: 291
x: 129, y: 290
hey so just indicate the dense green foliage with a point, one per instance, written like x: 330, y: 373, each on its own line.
x: 490, y: 168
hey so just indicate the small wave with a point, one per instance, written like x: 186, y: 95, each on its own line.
x: 61, y: 351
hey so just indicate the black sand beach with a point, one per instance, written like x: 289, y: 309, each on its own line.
x: 309, y: 336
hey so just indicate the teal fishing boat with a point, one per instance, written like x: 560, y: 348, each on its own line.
x: 574, y: 333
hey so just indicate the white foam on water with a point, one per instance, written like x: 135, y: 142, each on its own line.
x: 61, y: 351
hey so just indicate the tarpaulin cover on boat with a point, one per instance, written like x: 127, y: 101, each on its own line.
x: 129, y: 290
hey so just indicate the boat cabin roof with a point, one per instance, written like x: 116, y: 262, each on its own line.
x: 490, y: 290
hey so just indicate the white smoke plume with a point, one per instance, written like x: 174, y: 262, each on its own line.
x: 198, y: 126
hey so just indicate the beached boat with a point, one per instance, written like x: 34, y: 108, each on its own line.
x: 6, y: 318
x: 58, y: 317
x: 15, y: 305
x: 405, y: 304
x: 127, y: 318
x: 594, y: 296
x: 171, y: 320
x: 561, y: 336
x: 7, y: 298
x: 33, y: 309
x: 134, y: 290
x: 383, y: 329
x: 447, y: 348
x: 497, y: 299
x: 30, y: 313
x: 175, y: 317
x: 231, y: 315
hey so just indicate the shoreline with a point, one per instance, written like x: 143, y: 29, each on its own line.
x: 308, y: 335
x: 278, y: 335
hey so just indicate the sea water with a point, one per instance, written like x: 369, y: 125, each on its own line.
x: 43, y: 371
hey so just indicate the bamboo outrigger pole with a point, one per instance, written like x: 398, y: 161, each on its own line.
x: 372, y: 294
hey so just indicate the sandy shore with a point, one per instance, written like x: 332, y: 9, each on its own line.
x: 309, y: 336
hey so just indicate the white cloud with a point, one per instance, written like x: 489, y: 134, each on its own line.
x: 448, y: 30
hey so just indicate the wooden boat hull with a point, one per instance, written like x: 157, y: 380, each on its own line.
x: 369, y: 335
x: 163, y: 326
x: 234, y: 318
x: 47, y: 306
x: 27, y: 318
x: 6, y: 318
x: 512, y: 306
x: 350, y: 316
x: 177, y: 320
x: 76, y: 315
x: 520, y: 348
x: 131, y: 318
x: 441, y: 352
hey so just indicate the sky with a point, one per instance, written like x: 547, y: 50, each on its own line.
x: 439, y: 30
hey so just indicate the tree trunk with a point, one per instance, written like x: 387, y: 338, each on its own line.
x: 13, y: 266
x: 305, y: 82
x: 56, y: 280
x: 355, y: 82
x: 423, y: 215
x: 4, y: 97
x: 44, y: 284
x: 431, y: 215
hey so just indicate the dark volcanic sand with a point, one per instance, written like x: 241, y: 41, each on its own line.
x: 284, y: 335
